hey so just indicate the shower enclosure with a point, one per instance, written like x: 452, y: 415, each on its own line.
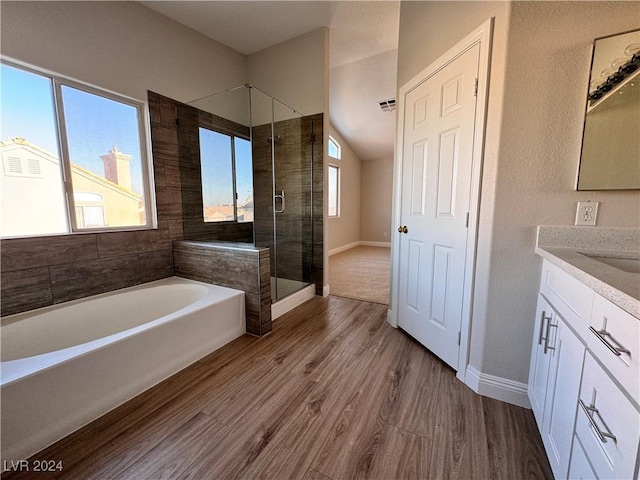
x: 281, y: 201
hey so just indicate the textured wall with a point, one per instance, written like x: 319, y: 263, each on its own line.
x: 293, y: 72
x: 547, y: 71
x: 539, y: 73
x: 375, y: 203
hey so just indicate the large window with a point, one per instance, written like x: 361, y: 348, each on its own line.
x: 227, y: 177
x: 334, y: 191
x: 55, y: 129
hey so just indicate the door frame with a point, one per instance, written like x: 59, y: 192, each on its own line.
x: 482, y: 36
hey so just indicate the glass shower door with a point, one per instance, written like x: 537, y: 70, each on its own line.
x: 292, y: 202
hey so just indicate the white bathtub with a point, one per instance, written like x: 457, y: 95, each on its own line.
x: 66, y: 365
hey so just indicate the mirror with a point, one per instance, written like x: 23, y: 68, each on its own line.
x: 610, y: 157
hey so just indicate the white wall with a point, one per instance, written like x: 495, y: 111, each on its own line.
x: 293, y: 71
x: 345, y: 229
x: 120, y: 46
x: 539, y: 74
x: 375, y: 200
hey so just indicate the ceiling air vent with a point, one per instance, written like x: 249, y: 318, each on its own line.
x: 388, y: 105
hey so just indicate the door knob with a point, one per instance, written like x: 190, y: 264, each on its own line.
x: 403, y: 229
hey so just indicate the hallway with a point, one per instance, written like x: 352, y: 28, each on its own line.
x: 361, y: 273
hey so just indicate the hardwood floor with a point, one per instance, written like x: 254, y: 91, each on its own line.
x: 333, y: 393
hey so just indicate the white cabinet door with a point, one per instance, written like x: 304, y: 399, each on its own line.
x: 563, y: 387
x: 539, y: 371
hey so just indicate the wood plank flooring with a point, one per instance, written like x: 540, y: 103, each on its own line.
x: 333, y: 393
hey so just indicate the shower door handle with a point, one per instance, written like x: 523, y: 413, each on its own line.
x: 281, y: 197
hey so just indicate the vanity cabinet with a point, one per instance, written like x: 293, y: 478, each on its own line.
x: 540, y: 359
x: 608, y: 425
x: 555, y: 382
x: 584, y: 380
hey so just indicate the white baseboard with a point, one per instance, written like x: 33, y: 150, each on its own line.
x: 343, y: 248
x: 325, y: 290
x: 292, y: 301
x: 364, y: 243
x: 497, y: 387
x: 390, y: 319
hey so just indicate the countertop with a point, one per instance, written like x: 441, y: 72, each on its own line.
x: 620, y: 287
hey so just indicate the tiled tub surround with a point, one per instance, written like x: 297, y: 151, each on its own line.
x: 41, y: 271
x: 242, y: 266
x: 65, y: 365
x: 568, y: 247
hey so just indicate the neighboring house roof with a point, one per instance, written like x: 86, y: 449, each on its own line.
x: 218, y: 212
x: 20, y: 142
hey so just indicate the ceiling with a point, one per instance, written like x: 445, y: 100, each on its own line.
x: 363, y: 52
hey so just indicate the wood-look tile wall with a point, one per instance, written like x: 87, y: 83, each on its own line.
x: 41, y: 271
x: 241, y: 266
x: 195, y: 228
x: 314, y: 127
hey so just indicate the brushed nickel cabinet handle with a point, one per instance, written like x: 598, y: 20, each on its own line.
x: 542, y: 320
x: 602, y: 335
x: 590, y: 412
x: 546, y: 340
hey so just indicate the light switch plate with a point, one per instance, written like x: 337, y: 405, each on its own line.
x: 586, y: 214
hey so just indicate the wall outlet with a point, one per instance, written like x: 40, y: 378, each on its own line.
x: 586, y: 214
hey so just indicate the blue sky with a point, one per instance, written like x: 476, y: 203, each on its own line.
x: 217, y: 173
x: 94, y: 124
x: 27, y: 108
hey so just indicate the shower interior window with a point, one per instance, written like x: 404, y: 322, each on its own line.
x: 227, y: 177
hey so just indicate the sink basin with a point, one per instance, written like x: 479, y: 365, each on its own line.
x: 631, y: 265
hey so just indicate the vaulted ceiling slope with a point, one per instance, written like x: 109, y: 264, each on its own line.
x: 363, y: 52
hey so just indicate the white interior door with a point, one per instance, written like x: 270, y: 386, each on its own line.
x: 437, y: 160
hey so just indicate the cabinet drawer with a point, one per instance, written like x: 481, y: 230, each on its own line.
x: 614, y: 339
x: 571, y: 298
x: 605, y: 412
x: 580, y: 468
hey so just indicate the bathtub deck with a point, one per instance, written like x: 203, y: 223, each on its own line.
x: 334, y: 392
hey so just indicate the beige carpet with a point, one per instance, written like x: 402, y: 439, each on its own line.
x: 361, y: 273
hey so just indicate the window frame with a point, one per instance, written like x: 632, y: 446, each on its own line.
x: 333, y: 141
x: 234, y: 180
x: 146, y: 160
x: 338, y: 182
